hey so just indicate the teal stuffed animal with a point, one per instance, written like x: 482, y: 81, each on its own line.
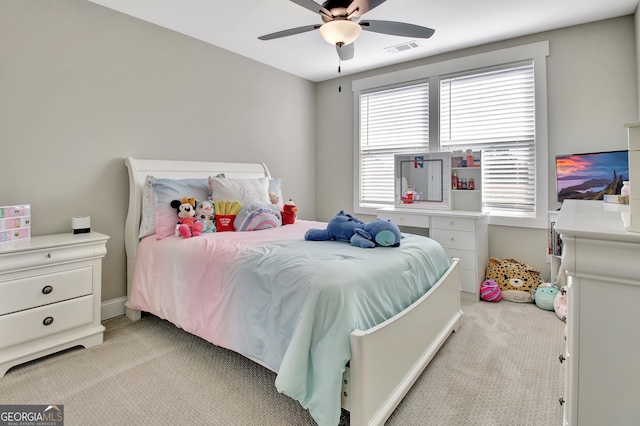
x: 545, y: 296
x: 345, y: 227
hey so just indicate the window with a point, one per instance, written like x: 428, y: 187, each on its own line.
x: 493, y: 111
x: 393, y: 121
x: 494, y: 102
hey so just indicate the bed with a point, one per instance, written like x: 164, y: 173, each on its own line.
x: 307, y: 310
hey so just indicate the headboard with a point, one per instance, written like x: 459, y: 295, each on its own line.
x: 139, y: 170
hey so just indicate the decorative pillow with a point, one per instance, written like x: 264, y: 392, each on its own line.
x: 148, y: 222
x: 275, y: 193
x: 167, y: 190
x: 246, y: 191
x: 257, y: 216
x: 515, y: 279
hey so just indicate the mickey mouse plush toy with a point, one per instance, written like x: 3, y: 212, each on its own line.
x: 187, y: 226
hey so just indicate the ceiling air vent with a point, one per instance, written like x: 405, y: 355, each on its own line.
x: 402, y: 47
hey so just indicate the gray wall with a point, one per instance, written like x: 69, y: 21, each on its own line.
x: 592, y: 92
x: 82, y: 87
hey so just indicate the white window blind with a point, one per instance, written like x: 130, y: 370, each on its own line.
x: 392, y: 121
x: 494, y: 111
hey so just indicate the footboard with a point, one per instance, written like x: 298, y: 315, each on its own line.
x: 386, y: 360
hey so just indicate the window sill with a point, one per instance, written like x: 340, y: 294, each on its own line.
x: 520, y: 222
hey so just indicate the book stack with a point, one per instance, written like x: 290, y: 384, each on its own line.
x: 555, y: 242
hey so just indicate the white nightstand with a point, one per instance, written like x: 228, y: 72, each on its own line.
x: 50, y: 298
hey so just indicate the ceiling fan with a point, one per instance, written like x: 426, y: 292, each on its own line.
x: 342, y: 24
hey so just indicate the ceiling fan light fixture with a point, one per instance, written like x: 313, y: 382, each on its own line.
x: 340, y: 31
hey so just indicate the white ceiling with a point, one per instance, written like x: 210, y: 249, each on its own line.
x: 235, y: 25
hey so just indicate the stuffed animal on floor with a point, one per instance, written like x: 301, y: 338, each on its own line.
x: 545, y: 296
x: 345, y: 227
x: 560, y: 304
x: 187, y: 225
x: 515, y: 279
x: 490, y: 291
x: 205, y: 214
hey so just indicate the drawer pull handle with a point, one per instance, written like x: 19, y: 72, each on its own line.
x: 49, y: 255
x: 561, y: 358
x: 48, y: 321
x: 47, y: 289
x: 561, y: 400
x: 452, y: 223
x: 453, y: 239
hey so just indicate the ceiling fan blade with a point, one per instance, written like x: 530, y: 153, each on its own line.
x: 363, y: 6
x: 397, y: 28
x: 291, y: 31
x: 312, y: 6
x: 346, y: 51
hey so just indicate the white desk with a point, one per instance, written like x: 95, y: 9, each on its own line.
x: 463, y: 234
x: 602, y: 378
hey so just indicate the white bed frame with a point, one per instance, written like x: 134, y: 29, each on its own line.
x: 386, y: 360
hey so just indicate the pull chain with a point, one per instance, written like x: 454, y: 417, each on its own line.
x: 339, y: 75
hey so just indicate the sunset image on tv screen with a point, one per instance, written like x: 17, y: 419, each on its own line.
x: 591, y: 176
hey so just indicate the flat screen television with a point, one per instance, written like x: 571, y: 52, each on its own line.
x: 590, y: 176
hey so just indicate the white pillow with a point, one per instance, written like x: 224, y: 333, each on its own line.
x: 148, y: 222
x: 246, y: 191
x: 275, y: 186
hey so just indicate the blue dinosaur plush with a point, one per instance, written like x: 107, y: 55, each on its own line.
x: 345, y: 227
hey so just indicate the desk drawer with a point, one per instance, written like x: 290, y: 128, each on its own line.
x: 454, y: 223
x: 406, y: 219
x: 454, y: 239
x: 38, y: 290
x: 25, y: 326
x: 468, y: 259
x: 469, y: 282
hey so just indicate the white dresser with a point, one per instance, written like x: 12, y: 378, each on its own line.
x: 602, y: 376
x: 463, y: 234
x: 49, y: 295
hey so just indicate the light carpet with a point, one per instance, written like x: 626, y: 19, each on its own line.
x: 500, y: 368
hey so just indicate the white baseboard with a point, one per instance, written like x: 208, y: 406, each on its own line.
x: 112, y: 308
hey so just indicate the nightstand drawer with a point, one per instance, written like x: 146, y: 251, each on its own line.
x: 454, y: 239
x: 455, y: 223
x: 38, y: 290
x: 25, y: 326
x: 50, y: 256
